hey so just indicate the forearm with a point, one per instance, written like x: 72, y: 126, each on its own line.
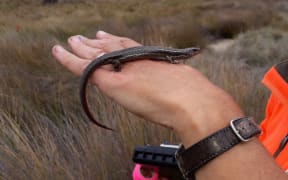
x: 247, y: 160
x: 244, y: 161
x: 175, y: 96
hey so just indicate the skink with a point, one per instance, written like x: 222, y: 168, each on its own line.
x: 115, y: 58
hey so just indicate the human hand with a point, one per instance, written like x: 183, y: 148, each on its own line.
x: 176, y: 96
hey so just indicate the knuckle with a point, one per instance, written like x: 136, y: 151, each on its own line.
x: 124, y: 41
x: 90, y: 55
x: 127, y: 42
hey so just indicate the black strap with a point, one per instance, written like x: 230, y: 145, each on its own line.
x: 199, y: 154
x: 281, y: 146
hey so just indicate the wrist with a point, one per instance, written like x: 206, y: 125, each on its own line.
x: 192, y: 134
x: 238, y: 131
x: 194, y: 126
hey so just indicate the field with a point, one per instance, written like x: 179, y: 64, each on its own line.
x: 44, y: 133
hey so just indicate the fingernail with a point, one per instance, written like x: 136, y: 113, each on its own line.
x: 58, y: 49
x: 101, y: 33
x: 81, y: 37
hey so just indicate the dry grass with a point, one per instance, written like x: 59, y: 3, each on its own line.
x: 44, y: 133
x: 240, y: 66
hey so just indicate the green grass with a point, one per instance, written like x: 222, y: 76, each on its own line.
x: 44, y: 133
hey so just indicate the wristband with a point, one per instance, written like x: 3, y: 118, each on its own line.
x: 199, y: 154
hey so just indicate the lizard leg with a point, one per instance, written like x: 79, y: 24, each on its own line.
x: 117, y: 65
x: 171, y: 60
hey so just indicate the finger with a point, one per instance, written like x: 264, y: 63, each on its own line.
x: 105, y: 45
x: 105, y: 35
x: 77, y: 65
x: 110, y: 45
x: 94, y: 43
x: 70, y: 61
x: 81, y: 49
x: 125, y: 42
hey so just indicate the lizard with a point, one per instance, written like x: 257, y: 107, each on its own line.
x: 116, y: 58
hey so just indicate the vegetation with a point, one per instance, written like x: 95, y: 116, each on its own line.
x: 44, y: 133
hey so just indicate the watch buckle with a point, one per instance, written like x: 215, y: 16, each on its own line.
x: 237, y: 133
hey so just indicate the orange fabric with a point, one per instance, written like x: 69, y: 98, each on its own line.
x: 275, y: 124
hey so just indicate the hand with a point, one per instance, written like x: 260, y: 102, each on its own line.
x: 175, y: 96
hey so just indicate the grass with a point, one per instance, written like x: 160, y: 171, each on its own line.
x: 44, y: 133
x: 240, y: 67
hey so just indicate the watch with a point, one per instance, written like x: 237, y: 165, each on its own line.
x: 238, y: 131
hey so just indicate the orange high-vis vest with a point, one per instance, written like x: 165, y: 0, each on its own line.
x: 275, y: 124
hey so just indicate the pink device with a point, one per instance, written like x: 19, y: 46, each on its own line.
x: 152, y: 171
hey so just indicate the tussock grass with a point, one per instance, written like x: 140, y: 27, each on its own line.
x: 44, y: 133
x: 240, y: 66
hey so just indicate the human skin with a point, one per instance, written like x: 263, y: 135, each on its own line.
x: 175, y: 96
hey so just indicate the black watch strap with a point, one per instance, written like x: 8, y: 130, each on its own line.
x: 199, y: 154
